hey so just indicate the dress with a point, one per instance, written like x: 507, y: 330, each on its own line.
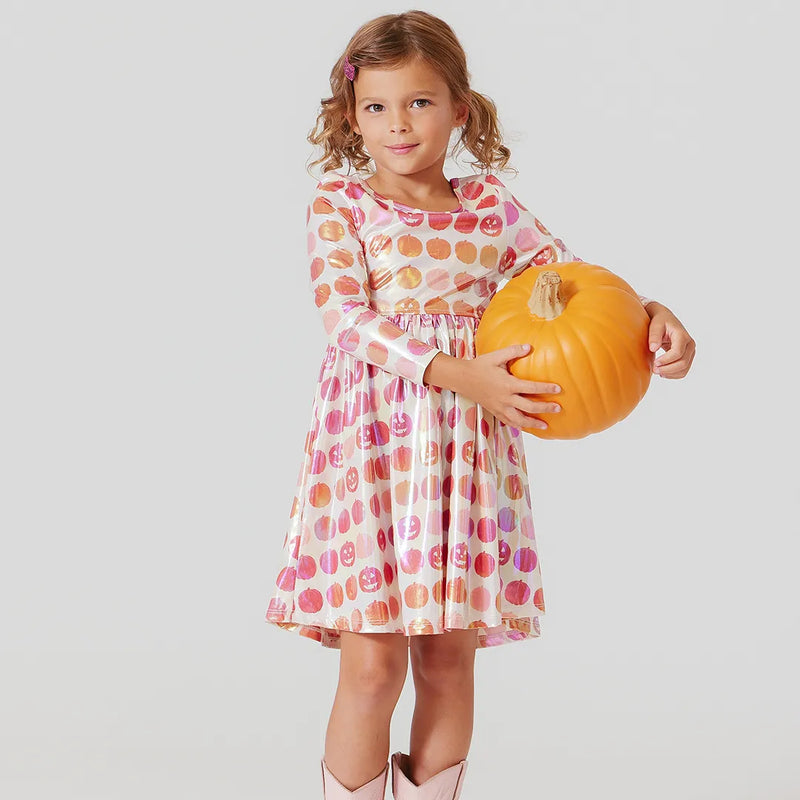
x: 412, y: 511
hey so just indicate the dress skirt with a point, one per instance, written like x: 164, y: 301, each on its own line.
x: 412, y: 512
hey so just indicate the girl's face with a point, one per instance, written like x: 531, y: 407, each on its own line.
x: 411, y: 104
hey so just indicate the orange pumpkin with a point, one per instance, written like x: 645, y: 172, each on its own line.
x: 588, y: 333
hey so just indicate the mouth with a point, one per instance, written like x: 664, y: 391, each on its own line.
x: 405, y: 148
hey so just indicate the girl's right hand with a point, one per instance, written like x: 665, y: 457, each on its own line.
x: 487, y: 381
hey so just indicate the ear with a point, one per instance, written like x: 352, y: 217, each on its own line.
x: 462, y: 114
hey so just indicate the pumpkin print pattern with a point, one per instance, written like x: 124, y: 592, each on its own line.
x: 412, y: 511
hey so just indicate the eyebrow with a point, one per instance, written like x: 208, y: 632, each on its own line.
x: 410, y: 94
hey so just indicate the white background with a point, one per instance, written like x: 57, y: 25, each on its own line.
x: 159, y: 351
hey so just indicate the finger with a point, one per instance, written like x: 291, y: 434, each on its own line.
x: 538, y: 406
x: 531, y: 422
x: 682, y: 344
x: 677, y: 369
x: 673, y: 371
x: 525, y: 421
x: 512, y: 351
x: 676, y: 352
x: 657, y: 333
x: 521, y: 386
x: 511, y: 415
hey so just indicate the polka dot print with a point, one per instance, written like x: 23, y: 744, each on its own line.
x: 412, y: 510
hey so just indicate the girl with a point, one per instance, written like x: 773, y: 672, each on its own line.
x: 410, y: 535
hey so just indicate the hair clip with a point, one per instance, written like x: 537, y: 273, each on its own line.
x: 349, y: 69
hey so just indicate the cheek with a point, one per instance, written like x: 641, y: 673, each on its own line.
x: 367, y: 134
x: 439, y: 123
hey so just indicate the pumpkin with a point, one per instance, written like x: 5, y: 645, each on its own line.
x: 588, y: 333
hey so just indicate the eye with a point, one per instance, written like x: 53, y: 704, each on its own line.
x: 418, y: 100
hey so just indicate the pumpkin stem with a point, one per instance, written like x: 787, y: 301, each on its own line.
x: 545, y: 299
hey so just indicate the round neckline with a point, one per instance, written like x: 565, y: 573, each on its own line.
x: 396, y: 204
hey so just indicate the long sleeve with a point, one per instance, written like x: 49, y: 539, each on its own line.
x: 529, y: 241
x: 340, y: 285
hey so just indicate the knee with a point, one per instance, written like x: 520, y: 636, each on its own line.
x: 376, y: 681
x: 442, y: 668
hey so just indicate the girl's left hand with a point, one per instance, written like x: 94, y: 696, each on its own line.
x: 667, y: 331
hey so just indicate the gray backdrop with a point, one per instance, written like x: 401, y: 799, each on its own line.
x: 160, y: 349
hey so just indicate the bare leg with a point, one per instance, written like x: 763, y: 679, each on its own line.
x: 444, y: 679
x: 372, y: 672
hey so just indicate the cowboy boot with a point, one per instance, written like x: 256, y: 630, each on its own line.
x: 372, y: 790
x: 444, y: 785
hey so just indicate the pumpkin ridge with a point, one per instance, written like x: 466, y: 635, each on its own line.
x: 613, y: 332
x: 626, y: 352
x: 611, y: 353
x: 573, y: 331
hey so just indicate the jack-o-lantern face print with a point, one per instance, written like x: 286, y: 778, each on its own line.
x: 429, y: 453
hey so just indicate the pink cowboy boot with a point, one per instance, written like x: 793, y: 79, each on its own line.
x: 372, y: 790
x: 444, y: 785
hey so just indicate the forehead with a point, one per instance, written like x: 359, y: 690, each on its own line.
x: 413, y: 76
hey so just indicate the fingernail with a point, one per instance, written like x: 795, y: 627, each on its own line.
x: 653, y: 347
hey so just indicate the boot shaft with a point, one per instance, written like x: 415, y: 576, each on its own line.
x: 444, y: 785
x: 373, y: 789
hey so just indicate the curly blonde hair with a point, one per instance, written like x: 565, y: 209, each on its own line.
x: 389, y: 42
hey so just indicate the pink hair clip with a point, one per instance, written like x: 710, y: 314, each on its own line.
x: 349, y: 69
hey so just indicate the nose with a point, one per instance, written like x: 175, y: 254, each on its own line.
x: 399, y: 122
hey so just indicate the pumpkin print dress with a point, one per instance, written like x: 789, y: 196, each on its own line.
x: 412, y: 511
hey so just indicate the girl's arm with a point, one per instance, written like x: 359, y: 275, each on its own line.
x: 529, y: 241
x: 340, y: 284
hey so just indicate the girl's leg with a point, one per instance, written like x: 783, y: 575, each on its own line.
x: 441, y: 729
x: 372, y: 672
